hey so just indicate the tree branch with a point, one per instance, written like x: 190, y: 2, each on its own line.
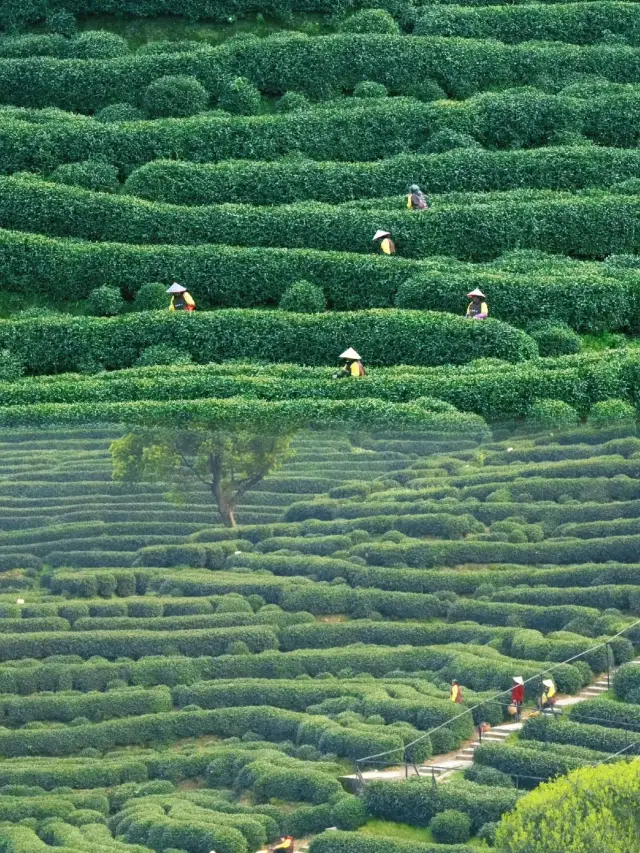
x: 247, y: 484
x: 193, y: 469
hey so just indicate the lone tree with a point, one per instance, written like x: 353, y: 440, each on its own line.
x: 228, y: 464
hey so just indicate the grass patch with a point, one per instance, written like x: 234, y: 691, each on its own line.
x: 406, y: 832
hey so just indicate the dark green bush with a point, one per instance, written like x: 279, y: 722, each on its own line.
x: 291, y: 101
x: 99, y: 44
x: 240, y: 97
x: 449, y: 140
x: 151, y: 297
x: 554, y: 338
x: 105, y: 301
x: 118, y: 112
x: 159, y: 354
x: 93, y: 175
x: 175, y: 95
x: 303, y: 297
x: 551, y: 414
x: 370, y: 21
x: 11, y: 366
x: 608, y: 412
x: 368, y: 89
x: 62, y: 22
x: 450, y: 827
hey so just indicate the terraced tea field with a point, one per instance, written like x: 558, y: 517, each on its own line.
x: 234, y: 591
x: 170, y: 682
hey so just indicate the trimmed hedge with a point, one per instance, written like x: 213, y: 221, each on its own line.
x: 584, y: 734
x: 461, y: 170
x: 577, y: 24
x: 590, y: 297
x: 418, y: 800
x: 350, y: 842
x: 135, y: 644
x: 357, y: 131
x: 593, y: 225
x: 539, y: 763
x: 386, y: 337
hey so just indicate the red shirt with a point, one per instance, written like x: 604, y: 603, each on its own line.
x: 517, y: 693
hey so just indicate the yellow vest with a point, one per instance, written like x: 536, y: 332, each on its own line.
x: 386, y: 246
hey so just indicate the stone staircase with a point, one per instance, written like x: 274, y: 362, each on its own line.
x: 440, y: 768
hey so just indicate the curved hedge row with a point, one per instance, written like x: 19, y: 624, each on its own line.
x: 460, y: 170
x: 521, y: 118
x: 383, y: 337
x: 136, y: 644
x: 351, y: 842
x: 418, y: 800
x: 577, y: 23
x: 588, y: 296
x: 590, y: 226
x: 315, y: 66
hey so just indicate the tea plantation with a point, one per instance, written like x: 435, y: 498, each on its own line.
x: 234, y: 590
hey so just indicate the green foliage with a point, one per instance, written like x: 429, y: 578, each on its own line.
x: 609, y: 412
x: 370, y: 21
x: 450, y: 140
x: 93, y: 175
x: 175, y: 95
x: 11, y: 366
x: 291, y: 101
x: 105, y: 301
x: 118, y: 112
x: 62, y: 23
x: 303, y: 297
x: 240, y: 97
x: 592, y: 810
x: 554, y: 338
x: 451, y: 827
x: 151, y: 297
x: 99, y: 44
x: 551, y: 414
x: 162, y: 354
x: 368, y: 89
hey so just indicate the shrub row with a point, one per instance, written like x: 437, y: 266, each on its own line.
x: 350, y: 842
x: 608, y: 712
x: 626, y: 683
x: 419, y: 337
x: 593, y: 225
x: 460, y: 170
x: 358, y: 131
x: 418, y: 800
x: 275, y: 724
x: 136, y: 644
x: 351, y: 281
x: 560, y: 552
x: 427, y: 581
x: 96, y: 707
x: 581, y: 734
x: 533, y: 765
x: 317, y: 67
x: 577, y: 24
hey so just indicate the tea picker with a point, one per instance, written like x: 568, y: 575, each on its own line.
x: 181, y: 299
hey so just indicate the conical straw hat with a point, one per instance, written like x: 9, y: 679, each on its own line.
x: 476, y: 292
x: 176, y: 288
x: 548, y: 682
x: 379, y: 234
x: 518, y: 679
x: 350, y: 353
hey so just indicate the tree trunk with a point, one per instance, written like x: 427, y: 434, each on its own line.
x: 226, y: 508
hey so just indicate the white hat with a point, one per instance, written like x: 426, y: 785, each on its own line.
x: 518, y: 679
x: 380, y: 234
x: 477, y: 292
x: 350, y: 353
x: 548, y: 682
x: 176, y: 288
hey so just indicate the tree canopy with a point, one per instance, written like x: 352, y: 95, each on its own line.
x: 228, y: 464
x: 592, y: 810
